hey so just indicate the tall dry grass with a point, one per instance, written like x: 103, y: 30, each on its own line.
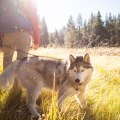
x: 103, y: 93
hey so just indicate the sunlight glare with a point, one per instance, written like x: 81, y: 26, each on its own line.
x: 51, y: 10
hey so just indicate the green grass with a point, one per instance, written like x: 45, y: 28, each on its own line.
x: 103, y: 93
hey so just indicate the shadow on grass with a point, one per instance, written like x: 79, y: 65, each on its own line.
x: 89, y: 114
x: 15, y: 109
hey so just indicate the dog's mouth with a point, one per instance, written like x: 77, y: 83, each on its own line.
x: 80, y: 83
x: 76, y: 89
x: 78, y: 86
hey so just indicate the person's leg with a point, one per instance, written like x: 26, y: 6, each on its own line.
x: 23, y: 45
x: 9, y: 46
x: 8, y: 49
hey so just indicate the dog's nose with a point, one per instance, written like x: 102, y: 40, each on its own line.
x: 77, y: 80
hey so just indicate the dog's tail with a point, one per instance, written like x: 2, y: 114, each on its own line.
x: 8, y: 75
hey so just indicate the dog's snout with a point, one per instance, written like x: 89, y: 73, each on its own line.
x: 77, y: 80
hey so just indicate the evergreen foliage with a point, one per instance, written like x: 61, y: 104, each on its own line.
x: 92, y: 32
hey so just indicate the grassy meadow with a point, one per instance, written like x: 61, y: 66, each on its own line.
x: 103, y: 93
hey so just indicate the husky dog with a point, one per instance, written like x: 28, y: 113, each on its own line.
x: 42, y: 72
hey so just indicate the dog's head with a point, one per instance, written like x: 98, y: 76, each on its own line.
x: 80, y: 69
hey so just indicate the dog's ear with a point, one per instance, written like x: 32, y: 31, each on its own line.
x: 71, y: 58
x: 86, y: 58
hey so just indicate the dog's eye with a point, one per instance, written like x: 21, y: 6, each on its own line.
x: 81, y: 70
x: 75, y: 70
x: 71, y: 67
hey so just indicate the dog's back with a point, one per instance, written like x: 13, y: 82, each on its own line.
x: 41, y: 71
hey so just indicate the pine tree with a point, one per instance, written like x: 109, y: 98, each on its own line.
x: 70, y: 24
x: 61, y: 35
x: 107, y: 28
x: 99, y: 29
x: 70, y: 37
x: 51, y: 38
x: 111, y: 28
x: 56, y: 37
x: 114, y: 35
x: 78, y: 26
x: 44, y: 33
x: 85, y: 33
x: 90, y: 30
x: 118, y: 29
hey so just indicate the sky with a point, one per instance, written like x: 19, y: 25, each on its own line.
x: 57, y: 12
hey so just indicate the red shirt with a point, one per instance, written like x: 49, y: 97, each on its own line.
x: 32, y: 15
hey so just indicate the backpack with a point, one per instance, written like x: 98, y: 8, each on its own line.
x: 11, y: 18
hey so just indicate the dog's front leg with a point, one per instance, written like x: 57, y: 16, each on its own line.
x: 81, y: 99
x: 61, y: 98
x: 62, y: 95
x: 31, y: 98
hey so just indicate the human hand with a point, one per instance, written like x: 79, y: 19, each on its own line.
x: 35, y: 47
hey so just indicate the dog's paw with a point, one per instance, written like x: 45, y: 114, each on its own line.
x: 36, y: 117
